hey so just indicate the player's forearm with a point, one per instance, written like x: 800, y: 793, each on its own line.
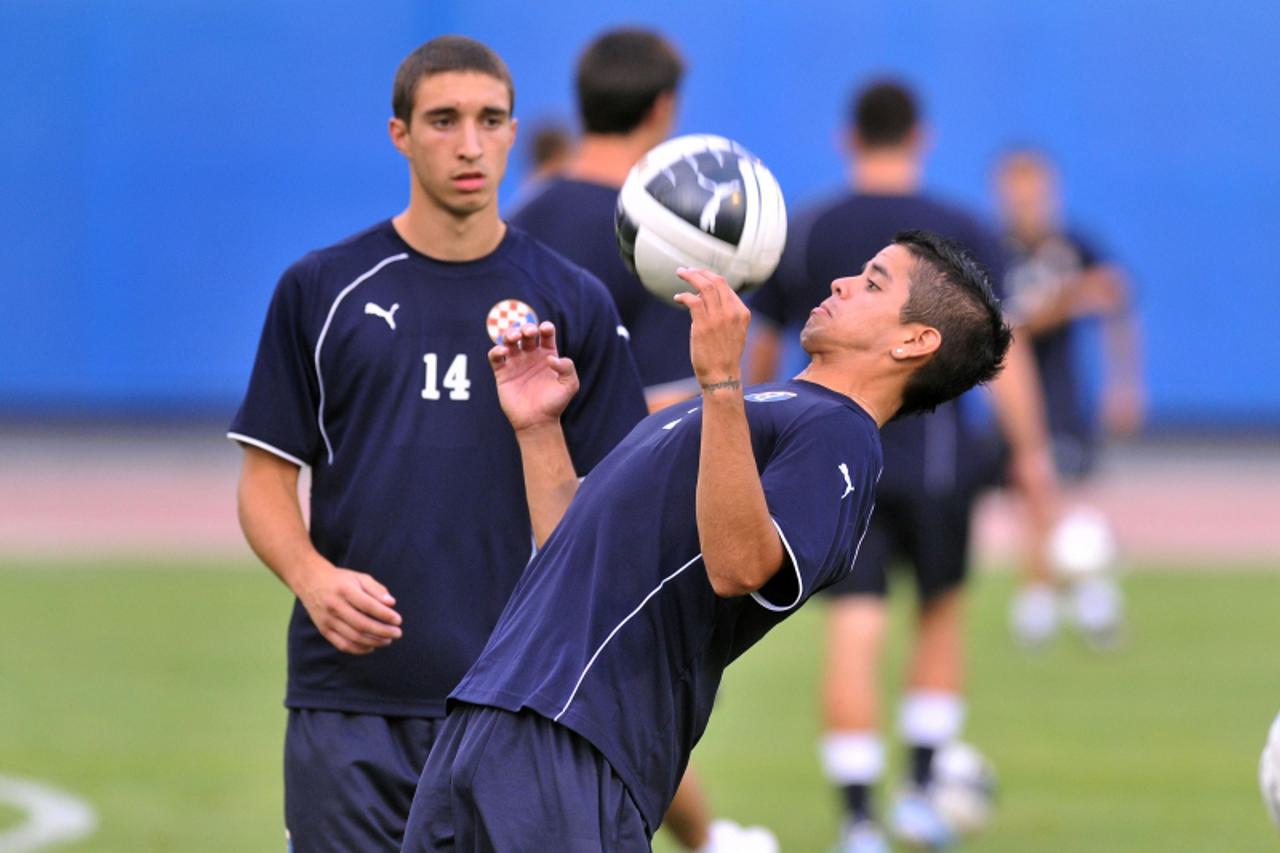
x: 550, y: 480
x: 271, y: 518
x: 1018, y: 402
x: 740, y: 546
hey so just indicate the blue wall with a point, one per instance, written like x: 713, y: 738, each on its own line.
x: 162, y: 162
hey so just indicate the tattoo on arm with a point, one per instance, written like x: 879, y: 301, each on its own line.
x: 720, y: 386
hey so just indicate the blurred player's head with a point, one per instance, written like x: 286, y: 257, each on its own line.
x: 1026, y: 185
x: 884, y: 115
x: 550, y: 146
x: 627, y: 81
x: 452, y: 101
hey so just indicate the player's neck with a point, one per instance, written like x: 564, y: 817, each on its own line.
x: 606, y: 158
x: 879, y: 396
x: 887, y: 172
x: 445, y: 236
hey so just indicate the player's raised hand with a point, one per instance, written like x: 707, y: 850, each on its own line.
x: 718, y: 335
x: 535, y: 384
x: 351, y: 609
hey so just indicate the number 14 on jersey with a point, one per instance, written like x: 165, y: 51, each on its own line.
x: 455, y: 378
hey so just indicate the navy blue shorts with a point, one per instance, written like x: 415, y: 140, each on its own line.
x: 498, y: 781
x: 349, y: 779
x: 930, y: 534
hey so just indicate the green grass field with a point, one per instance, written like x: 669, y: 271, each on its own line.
x: 153, y: 691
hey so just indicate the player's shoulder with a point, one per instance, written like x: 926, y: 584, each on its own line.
x: 557, y: 197
x: 338, y: 264
x: 831, y: 206
x: 955, y: 216
x: 804, y: 414
x: 801, y: 401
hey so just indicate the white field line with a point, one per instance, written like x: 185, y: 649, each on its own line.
x: 53, y: 816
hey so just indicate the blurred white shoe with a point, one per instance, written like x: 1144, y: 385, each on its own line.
x: 915, y: 821
x: 729, y: 837
x: 1097, y: 608
x: 1033, y: 615
x: 864, y: 836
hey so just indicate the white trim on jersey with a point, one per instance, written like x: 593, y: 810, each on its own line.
x: 618, y: 628
x: 791, y: 555
x: 262, y: 445
x: 325, y: 330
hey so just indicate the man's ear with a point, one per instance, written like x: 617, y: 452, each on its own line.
x: 399, y: 133
x: 920, y: 342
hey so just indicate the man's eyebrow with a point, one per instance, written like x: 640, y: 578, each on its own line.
x: 877, y: 268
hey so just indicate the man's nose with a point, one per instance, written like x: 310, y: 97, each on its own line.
x: 469, y: 144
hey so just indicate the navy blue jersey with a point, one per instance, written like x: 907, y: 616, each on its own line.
x: 1037, y: 273
x: 576, y: 219
x: 614, y: 630
x: 372, y: 370
x: 834, y: 239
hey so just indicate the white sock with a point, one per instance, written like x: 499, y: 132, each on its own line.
x: 930, y: 717
x: 852, y: 757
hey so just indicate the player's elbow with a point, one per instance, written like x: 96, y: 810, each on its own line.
x: 741, y: 574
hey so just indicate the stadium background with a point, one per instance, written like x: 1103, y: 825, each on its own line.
x: 161, y: 163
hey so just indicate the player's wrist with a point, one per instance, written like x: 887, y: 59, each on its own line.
x: 722, y: 385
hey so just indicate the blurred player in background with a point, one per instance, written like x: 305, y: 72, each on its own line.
x: 706, y: 527
x: 1056, y: 281
x: 550, y: 148
x: 367, y: 373
x: 925, y: 497
x: 627, y: 82
x: 547, y: 153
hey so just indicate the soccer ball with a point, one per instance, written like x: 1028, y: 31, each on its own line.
x: 1082, y: 544
x: 1269, y: 771
x: 700, y: 201
x: 963, y: 787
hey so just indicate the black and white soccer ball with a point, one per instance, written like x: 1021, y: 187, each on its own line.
x: 700, y: 201
x: 963, y: 787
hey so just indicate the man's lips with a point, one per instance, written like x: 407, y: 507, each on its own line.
x: 469, y: 180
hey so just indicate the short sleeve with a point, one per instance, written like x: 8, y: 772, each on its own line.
x: 819, y: 485
x: 610, y: 400
x: 279, y: 411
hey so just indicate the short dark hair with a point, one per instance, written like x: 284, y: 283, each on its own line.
x: 883, y: 113
x: 620, y: 75
x: 951, y: 291
x: 445, y: 53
